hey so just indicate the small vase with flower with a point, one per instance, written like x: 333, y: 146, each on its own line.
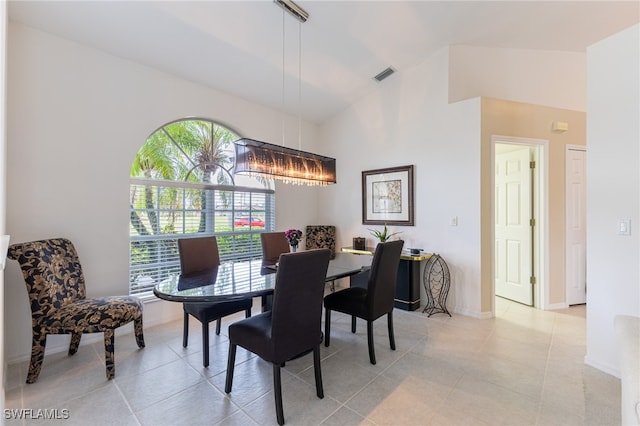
x: 293, y: 236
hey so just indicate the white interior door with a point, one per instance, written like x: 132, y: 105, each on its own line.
x: 513, y: 244
x: 576, y: 220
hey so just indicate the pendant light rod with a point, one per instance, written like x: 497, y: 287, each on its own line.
x: 294, y: 166
x: 283, y: 75
x: 296, y: 11
x: 300, y: 86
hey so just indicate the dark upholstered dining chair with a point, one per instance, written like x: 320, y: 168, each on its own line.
x: 273, y: 245
x: 293, y: 327
x: 372, y: 302
x: 196, y: 255
x: 57, y: 295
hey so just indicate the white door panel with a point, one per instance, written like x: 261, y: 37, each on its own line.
x: 513, y: 246
x: 576, y: 250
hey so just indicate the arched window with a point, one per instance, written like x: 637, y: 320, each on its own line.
x: 182, y: 184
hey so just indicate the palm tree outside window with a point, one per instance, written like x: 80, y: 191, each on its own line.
x: 181, y: 184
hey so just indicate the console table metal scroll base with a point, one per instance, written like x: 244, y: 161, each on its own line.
x: 437, y: 280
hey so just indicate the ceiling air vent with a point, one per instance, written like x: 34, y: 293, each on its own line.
x: 384, y: 74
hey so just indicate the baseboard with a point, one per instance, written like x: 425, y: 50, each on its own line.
x: 606, y: 368
x: 555, y: 306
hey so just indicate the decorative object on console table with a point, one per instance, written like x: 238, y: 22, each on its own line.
x: 387, y: 196
x: 384, y: 235
x: 437, y: 281
x: 359, y: 243
x: 293, y: 236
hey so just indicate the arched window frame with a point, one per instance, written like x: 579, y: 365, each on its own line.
x: 164, y: 210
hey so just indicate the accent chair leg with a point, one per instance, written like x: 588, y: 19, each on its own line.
x: 372, y: 351
x: 75, y: 342
x: 327, y: 327
x: 108, y: 353
x: 39, y: 341
x: 231, y: 362
x: 392, y: 340
x: 277, y: 390
x: 318, y: 372
x: 138, y: 331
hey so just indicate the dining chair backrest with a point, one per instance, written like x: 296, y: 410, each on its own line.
x: 320, y: 236
x: 382, y: 277
x: 297, y: 302
x: 198, y: 254
x: 273, y: 245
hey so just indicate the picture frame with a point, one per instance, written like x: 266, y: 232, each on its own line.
x: 387, y: 196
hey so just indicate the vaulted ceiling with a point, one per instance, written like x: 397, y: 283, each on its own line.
x: 250, y: 48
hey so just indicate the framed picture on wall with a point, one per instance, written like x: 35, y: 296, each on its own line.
x: 387, y: 196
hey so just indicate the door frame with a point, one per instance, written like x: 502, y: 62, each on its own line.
x: 541, y: 208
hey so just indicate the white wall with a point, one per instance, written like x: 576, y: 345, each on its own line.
x: 76, y: 119
x: 409, y: 121
x: 540, y: 77
x: 613, y: 191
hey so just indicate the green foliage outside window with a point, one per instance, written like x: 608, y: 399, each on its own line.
x: 193, y: 152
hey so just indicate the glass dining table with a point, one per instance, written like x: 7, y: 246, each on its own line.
x: 239, y: 280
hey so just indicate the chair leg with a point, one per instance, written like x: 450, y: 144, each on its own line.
x: 39, y: 341
x: 185, y: 330
x: 318, y: 372
x: 205, y: 344
x: 372, y: 351
x: 277, y: 390
x: 75, y: 342
x: 392, y: 339
x: 231, y: 361
x: 108, y: 353
x: 353, y: 323
x: 327, y: 327
x: 247, y: 313
x: 138, y: 331
x: 218, y: 325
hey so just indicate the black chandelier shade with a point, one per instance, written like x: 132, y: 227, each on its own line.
x: 262, y: 159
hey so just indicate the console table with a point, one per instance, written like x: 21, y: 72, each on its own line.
x: 407, y: 281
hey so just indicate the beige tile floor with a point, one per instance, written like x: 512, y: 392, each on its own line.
x: 524, y: 367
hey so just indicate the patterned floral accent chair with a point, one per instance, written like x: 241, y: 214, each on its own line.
x: 57, y: 295
x: 321, y: 236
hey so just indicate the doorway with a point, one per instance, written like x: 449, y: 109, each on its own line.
x: 519, y: 221
x: 576, y: 225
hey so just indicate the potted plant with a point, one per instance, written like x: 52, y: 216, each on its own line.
x: 384, y: 235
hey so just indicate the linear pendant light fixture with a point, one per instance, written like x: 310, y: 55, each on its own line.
x: 288, y: 165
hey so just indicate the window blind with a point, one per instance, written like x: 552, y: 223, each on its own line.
x: 161, y: 212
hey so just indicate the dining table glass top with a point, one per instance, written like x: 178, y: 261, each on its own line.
x: 231, y: 280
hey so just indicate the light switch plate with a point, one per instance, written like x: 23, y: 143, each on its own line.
x: 624, y: 226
